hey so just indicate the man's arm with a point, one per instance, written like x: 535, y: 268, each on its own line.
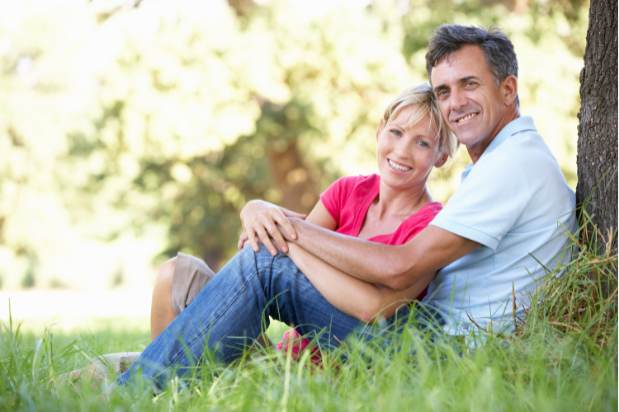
x: 397, y: 267
x: 360, y: 299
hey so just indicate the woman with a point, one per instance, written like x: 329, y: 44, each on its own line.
x: 390, y: 207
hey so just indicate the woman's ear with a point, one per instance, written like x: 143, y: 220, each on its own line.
x: 441, y: 160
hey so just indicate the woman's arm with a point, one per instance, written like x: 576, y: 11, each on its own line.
x: 268, y: 223
x: 397, y: 267
x: 362, y: 300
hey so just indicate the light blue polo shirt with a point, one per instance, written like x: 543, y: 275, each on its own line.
x: 515, y: 202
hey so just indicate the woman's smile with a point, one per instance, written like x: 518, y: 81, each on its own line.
x: 399, y: 167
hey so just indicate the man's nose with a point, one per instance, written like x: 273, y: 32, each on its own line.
x: 457, y: 99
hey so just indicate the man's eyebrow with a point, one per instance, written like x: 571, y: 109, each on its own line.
x: 440, y: 87
x: 467, y: 78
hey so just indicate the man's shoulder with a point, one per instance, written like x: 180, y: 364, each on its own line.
x: 523, y: 153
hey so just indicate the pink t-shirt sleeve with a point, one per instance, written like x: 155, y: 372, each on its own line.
x: 334, y: 197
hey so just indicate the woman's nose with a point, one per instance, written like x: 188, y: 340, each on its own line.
x: 404, y: 148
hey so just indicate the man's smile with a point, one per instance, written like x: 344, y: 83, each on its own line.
x: 464, y: 118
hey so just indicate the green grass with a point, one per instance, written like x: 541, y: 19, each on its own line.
x: 563, y: 358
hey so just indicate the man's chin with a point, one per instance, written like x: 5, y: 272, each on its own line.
x: 466, y: 138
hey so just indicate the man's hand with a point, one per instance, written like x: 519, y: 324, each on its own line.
x: 269, y: 224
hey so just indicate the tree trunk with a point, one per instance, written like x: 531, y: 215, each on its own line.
x: 293, y: 179
x: 597, y: 131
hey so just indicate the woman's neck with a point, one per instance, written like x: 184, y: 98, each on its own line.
x: 402, y: 203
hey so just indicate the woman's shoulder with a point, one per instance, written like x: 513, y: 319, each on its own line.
x: 355, y: 184
x: 426, y: 213
x: 357, y: 180
x: 432, y: 208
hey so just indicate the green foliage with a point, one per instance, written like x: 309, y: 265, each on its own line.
x: 129, y: 133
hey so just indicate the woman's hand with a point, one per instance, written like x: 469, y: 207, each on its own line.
x: 266, y: 223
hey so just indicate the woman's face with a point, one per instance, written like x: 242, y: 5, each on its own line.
x: 407, y: 152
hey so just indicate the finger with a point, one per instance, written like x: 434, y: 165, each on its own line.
x: 242, y: 239
x: 279, y: 235
x: 253, y: 241
x: 279, y: 240
x: 266, y: 240
x: 269, y: 222
x: 285, y: 225
x: 275, y: 232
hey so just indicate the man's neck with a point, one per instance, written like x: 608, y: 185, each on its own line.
x: 475, y: 152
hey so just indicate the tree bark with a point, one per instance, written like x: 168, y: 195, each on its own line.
x: 596, y: 191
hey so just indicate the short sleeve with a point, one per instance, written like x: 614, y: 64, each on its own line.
x: 489, y: 201
x: 334, y: 197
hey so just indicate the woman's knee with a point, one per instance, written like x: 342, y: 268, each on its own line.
x: 162, y: 310
x: 165, y: 274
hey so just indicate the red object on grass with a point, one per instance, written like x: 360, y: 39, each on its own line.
x: 294, y: 342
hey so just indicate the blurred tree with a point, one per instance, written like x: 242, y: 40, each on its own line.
x: 597, y: 131
x: 134, y: 127
x: 242, y: 8
x: 201, y: 120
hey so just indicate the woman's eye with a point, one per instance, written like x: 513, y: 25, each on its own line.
x: 423, y: 143
x: 396, y: 132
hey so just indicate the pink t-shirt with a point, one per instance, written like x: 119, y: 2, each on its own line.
x: 349, y: 198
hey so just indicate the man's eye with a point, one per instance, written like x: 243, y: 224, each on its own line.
x: 441, y: 93
x: 471, y: 84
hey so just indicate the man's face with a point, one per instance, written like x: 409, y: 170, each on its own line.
x: 473, y: 104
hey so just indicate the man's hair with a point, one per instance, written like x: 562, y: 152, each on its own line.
x: 422, y: 97
x: 497, y: 48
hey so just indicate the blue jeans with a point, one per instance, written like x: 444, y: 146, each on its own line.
x: 234, y: 308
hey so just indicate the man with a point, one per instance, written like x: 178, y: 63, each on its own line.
x: 505, y: 227
x: 492, y: 242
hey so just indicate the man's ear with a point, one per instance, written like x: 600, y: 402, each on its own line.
x: 441, y: 160
x: 509, y: 89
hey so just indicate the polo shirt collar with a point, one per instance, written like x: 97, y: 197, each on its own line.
x: 518, y: 125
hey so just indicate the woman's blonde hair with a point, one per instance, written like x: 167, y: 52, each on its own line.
x: 422, y: 97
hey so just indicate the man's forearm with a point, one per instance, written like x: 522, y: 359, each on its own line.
x: 365, y: 260
x: 396, y: 267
